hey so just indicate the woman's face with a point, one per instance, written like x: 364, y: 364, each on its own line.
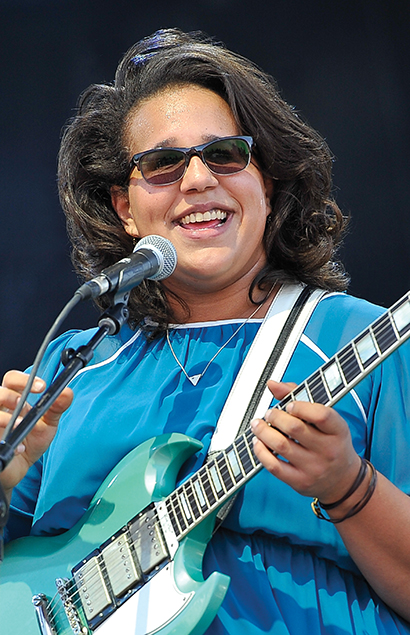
x: 212, y: 252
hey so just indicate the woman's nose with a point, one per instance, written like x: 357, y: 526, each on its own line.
x: 198, y: 176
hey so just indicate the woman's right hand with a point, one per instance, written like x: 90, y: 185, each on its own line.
x: 40, y: 437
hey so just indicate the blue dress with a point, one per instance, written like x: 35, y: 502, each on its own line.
x: 290, y: 572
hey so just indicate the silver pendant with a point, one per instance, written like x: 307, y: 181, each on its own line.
x: 194, y: 379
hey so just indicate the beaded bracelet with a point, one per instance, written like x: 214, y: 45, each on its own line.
x: 316, y: 505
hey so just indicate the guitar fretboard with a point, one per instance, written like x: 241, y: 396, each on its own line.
x: 230, y: 469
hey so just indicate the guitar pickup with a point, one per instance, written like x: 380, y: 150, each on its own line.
x: 120, y: 566
x: 148, y: 539
x: 92, y: 587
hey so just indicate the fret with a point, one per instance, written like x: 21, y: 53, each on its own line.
x: 366, y: 349
x: 192, y: 500
x: 375, y: 344
x: 172, y: 517
x: 282, y: 404
x: 235, y: 465
x: 248, y: 436
x: 178, y: 512
x: 244, y: 454
x: 317, y: 388
x: 223, y: 467
x: 325, y: 386
x: 348, y: 363
x: 384, y: 333
x: 207, y: 487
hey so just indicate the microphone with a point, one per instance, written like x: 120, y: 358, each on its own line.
x: 154, y: 257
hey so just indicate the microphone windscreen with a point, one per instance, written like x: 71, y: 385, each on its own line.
x: 165, y: 252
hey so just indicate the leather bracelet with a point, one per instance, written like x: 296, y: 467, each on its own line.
x: 357, y: 507
x: 356, y: 484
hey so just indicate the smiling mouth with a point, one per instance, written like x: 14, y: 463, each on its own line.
x: 205, y: 217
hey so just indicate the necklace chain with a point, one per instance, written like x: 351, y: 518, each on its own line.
x: 194, y: 379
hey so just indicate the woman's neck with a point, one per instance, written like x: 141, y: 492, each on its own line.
x: 224, y: 304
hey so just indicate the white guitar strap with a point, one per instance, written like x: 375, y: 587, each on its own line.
x: 267, y: 358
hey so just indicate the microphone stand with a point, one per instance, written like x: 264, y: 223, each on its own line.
x: 73, y: 360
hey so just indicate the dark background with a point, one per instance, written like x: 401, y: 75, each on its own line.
x: 343, y: 64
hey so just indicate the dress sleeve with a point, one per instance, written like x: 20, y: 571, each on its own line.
x: 24, y: 497
x: 23, y: 503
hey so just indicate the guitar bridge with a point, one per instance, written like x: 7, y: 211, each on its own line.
x: 65, y: 590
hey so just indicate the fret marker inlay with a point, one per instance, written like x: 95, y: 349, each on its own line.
x: 401, y: 316
x: 333, y: 377
x: 366, y: 348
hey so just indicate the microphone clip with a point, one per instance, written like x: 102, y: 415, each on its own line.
x: 117, y: 314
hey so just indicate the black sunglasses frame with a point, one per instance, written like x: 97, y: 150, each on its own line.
x: 188, y: 153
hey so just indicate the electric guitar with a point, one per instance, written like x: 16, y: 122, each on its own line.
x: 133, y: 564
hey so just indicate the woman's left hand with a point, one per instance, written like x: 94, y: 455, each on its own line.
x: 314, y: 447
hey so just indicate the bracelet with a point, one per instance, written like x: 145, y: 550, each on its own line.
x: 356, y: 484
x: 316, y: 505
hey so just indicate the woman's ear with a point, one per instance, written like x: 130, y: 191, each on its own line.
x: 268, y: 193
x: 121, y: 204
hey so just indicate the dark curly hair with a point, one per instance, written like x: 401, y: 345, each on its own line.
x: 305, y: 225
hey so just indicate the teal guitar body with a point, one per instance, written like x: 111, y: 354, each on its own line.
x: 166, y: 592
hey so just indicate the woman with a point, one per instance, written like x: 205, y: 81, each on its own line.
x: 248, y: 208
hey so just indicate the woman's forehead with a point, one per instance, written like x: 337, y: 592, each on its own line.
x: 180, y: 116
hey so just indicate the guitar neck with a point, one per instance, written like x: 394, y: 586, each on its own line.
x: 230, y: 469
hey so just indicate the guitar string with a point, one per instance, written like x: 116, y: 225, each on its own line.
x: 55, y: 604
x: 51, y: 611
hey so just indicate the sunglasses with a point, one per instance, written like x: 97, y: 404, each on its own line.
x: 164, y: 166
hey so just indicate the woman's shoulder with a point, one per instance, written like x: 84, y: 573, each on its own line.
x: 75, y: 338
x: 345, y: 305
x: 339, y: 317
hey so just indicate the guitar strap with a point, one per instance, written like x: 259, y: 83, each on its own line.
x: 249, y: 397
x: 267, y: 358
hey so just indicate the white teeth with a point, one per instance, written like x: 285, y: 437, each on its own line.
x: 199, y: 217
